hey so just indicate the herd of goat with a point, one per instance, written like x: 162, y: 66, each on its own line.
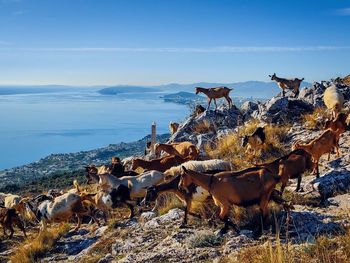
x: 179, y: 169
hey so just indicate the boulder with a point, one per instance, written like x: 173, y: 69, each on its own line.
x: 282, y: 109
x: 305, y: 225
x: 207, y: 122
x: 332, y: 183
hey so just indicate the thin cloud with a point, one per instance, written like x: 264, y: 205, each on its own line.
x: 18, y: 12
x: 343, y: 11
x: 224, y: 49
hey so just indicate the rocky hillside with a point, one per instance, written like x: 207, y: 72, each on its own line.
x: 316, y: 230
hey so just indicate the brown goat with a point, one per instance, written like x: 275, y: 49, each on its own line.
x: 338, y: 125
x: 293, y: 165
x: 216, y: 93
x: 292, y: 84
x: 253, y: 187
x: 161, y: 164
x: 181, y: 149
x: 255, y: 141
x: 198, y: 110
x: 320, y: 146
x: 8, y: 217
x: 173, y: 127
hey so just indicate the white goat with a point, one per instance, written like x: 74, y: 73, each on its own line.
x: 333, y: 99
x: 200, y: 166
x: 63, y: 208
x: 137, y: 184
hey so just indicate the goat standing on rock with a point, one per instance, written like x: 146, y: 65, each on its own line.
x: 216, y: 93
x: 292, y: 84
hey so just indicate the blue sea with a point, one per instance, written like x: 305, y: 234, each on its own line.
x: 33, y: 126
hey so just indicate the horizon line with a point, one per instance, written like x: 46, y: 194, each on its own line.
x: 218, y: 49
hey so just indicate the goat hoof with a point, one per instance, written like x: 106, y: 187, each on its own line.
x: 182, y: 226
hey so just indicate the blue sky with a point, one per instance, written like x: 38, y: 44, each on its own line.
x: 148, y: 42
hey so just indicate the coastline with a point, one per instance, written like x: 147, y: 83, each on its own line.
x: 69, y: 162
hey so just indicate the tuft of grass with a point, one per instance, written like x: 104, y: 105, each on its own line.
x: 33, y: 249
x: 204, y: 126
x: 316, y: 119
x: 229, y: 147
x: 324, y: 250
x: 204, y: 238
x: 167, y: 202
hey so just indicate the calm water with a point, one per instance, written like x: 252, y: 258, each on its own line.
x: 33, y: 126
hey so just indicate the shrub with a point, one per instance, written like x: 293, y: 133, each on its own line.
x: 316, y: 119
x: 204, y: 238
x: 229, y: 147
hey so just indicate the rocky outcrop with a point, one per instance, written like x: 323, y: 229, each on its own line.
x: 204, y: 128
x: 314, y: 94
x: 333, y: 183
x: 282, y: 110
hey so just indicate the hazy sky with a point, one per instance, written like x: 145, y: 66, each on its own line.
x: 92, y: 42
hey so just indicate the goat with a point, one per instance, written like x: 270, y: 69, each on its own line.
x: 216, y: 93
x: 19, y: 204
x: 161, y: 164
x: 181, y: 149
x: 63, y: 208
x: 8, y: 217
x: 137, y: 184
x: 199, y: 109
x: 254, y: 141
x: 294, y: 165
x: 199, y: 166
x: 319, y: 146
x: 338, y: 125
x: 92, y: 173
x: 122, y: 195
x: 333, y: 99
x: 196, y: 193
x: 226, y: 188
x: 173, y: 127
x: 283, y: 83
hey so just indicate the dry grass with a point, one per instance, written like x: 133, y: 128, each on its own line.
x: 167, y: 202
x: 33, y: 249
x: 204, y: 238
x: 316, y: 119
x: 325, y: 250
x: 346, y: 80
x: 229, y: 147
x: 204, y: 126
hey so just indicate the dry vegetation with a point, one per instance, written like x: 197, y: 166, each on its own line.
x: 229, y: 147
x: 316, y: 119
x: 34, y: 248
x: 203, y: 127
x: 325, y: 250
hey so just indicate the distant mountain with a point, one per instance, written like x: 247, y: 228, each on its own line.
x: 127, y: 89
x: 247, y: 89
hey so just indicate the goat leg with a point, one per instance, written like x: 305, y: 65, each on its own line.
x: 209, y: 101
x: 298, y: 185
x: 11, y: 231
x: 216, y: 106
x: 20, y: 225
